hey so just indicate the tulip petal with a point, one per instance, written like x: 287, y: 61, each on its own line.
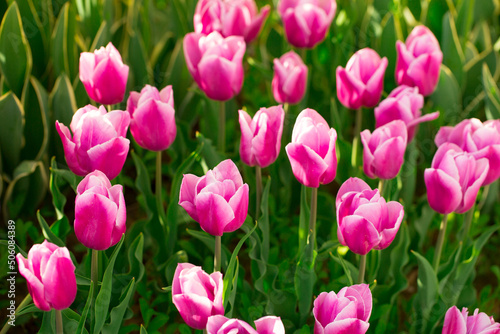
x: 110, y: 156
x: 239, y: 205
x: 270, y: 325
x: 347, y: 326
x: 307, y: 165
x: 69, y: 150
x: 35, y: 286
x: 454, y: 322
x: 195, y: 310
x: 391, y: 227
x: 214, y: 213
x: 443, y: 191
x: 59, y: 280
x: 359, y: 234
x: 353, y: 184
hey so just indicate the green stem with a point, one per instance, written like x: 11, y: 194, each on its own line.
x: 362, y: 268
x: 381, y: 184
x: 159, y: 202
x: 355, y: 140
x: 94, y: 274
x: 312, y: 219
x: 221, y: 142
x: 467, y: 224
x: 425, y: 9
x: 286, y: 107
x: 59, y: 323
x: 217, y: 253
x: 484, y: 196
x: 25, y: 302
x: 258, y: 187
x: 440, y: 241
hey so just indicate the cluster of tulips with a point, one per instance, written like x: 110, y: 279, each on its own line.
x: 96, y: 147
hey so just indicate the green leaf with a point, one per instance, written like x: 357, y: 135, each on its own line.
x: 135, y: 258
x: 264, y: 221
x: 143, y: 330
x: 447, y: 97
x: 118, y: 312
x: 48, y: 321
x: 11, y: 130
x: 28, y: 309
x: 81, y: 324
x: 67, y: 175
x: 304, y: 280
x: 19, y: 249
x: 303, y: 220
x: 339, y: 258
x: 143, y: 183
x: 47, y: 232
x: 139, y: 61
x: 492, y: 94
x: 64, y: 56
x: 232, y: 294
x: 453, y: 54
x: 71, y: 320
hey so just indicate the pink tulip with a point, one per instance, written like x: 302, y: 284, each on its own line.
x: 404, y: 103
x: 261, y: 136
x: 454, y: 179
x: 230, y: 18
x: 456, y: 322
x: 219, y: 324
x: 98, y: 141
x: 482, y: 140
x: 50, y: 275
x: 419, y: 60
x: 215, y: 63
x: 346, y: 312
x: 361, y: 83
x: 384, y: 150
x: 218, y: 201
x: 306, y: 22
x: 365, y: 220
x: 312, y: 150
x: 152, y: 117
x: 290, y: 78
x: 100, y: 212
x: 196, y: 294
x: 104, y: 75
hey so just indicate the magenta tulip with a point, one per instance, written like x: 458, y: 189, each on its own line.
x: 419, y: 60
x: 384, y: 150
x: 104, y: 75
x: 361, y: 83
x: 454, y: 179
x: 98, y: 141
x: 312, y: 150
x: 152, y: 117
x: 346, y: 312
x: 482, y: 140
x: 230, y: 18
x: 100, y: 212
x: 261, y: 136
x: 215, y: 63
x: 196, y: 294
x: 290, y: 78
x: 306, y: 22
x: 365, y: 220
x: 456, y: 322
x: 219, y: 324
x: 50, y: 275
x: 404, y: 103
x: 218, y: 201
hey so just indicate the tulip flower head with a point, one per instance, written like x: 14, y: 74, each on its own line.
x: 312, y: 150
x: 456, y: 322
x: 365, y: 220
x: 346, y: 312
x: 104, y: 75
x: 100, y: 212
x: 50, y: 275
x: 261, y: 136
x: 218, y: 201
x: 290, y: 78
x: 219, y: 324
x: 361, y: 82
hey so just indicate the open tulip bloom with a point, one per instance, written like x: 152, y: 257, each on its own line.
x: 456, y: 322
x: 219, y: 324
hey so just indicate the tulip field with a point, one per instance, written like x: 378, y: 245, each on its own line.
x: 250, y: 166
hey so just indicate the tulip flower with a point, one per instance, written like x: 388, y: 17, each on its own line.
x: 361, y: 83
x: 219, y: 324
x: 152, y: 117
x: 404, y: 103
x: 100, y: 212
x: 196, y: 294
x: 290, y: 78
x: 419, y: 60
x: 312, y: 150
x: 50, y: 275
x: 215, y: 63
x: 230, y: 18
x: 98, y: 141
x: 346, y: 312
x: 104, y: 75
x: 482, y: 140
x: 384, y: 150
x: 456, y: 322
x: 306, y: 22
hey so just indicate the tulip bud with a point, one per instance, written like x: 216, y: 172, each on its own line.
x: 50, y: 275
x: 219, y: 324
x: 456, y: 322
x: 290, y: 78
x: 104, y: 75
x: 100, y: 212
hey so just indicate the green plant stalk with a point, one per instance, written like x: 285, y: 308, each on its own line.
x: 484, y: 196
x: 217, y: 253
x: 440, y: 241
x: 159, y: 203
x: 425, y: 9
x: 362, y: 269
x: 467, y: 224
x: 25, y: 302
x: 381, y: 184
x: 312, y: 220
x: 286, y: 107
x: 59, y: 322
x: 221, y: 141
x: 94, y: 275
x: 355, y: 140
x: 258, y: 187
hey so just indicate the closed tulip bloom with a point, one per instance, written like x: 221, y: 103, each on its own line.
x: 218, y: 201
x: 482, y: 140
x: 261, y: 136
x: 290, y: 78
x: 100, y: 212
x: 384, y: 150
x: 419, y: 60
x: 230, y: 18
x: 312, y: 150
x: 365, y: 220
x: 346, y: 312
x: 152, y: 117
x: 104, y: 75
x: 219, y: 324
x: 196, y: 294
x: 361, y: 82
x: 50, y: 275
x: 454, y: 179
x: 98, y: 141
x: 215, y: 63
x: 404, y: 103
x: 306, y: 22
x: 456, y: 322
